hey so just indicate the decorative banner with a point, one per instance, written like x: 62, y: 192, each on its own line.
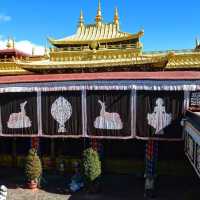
x: 108, y: 114
x: 106, y: 120
x: 19, y: 113
x: 159, y: 114
x: 20, y: 119
x: 62, y: 113
x: 159, y: 119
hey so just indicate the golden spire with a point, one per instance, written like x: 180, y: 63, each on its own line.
x: 46, y: 51
x: 13, y: 43
x: 10, y: 43
x: 116, y: 18
x: 33, y: 51
x: 197, y: 42
x: 81, y: 19
x: 99, y: 17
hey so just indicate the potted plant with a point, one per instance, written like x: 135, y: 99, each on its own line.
x: 33, y: 169
x: 91, y: 169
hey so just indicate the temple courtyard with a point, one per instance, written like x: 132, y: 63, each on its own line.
x: 114, y: 187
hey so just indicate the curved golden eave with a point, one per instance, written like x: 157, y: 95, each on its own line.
x: 107, y: 40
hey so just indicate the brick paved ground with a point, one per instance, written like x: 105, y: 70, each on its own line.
x: 115, y: 187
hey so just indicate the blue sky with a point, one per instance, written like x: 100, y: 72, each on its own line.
x: 168, y: 24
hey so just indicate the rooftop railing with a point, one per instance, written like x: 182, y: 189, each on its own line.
x: 173, y: 51
x: 101, y: 47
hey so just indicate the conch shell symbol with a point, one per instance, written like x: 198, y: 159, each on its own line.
x: 61, y: 110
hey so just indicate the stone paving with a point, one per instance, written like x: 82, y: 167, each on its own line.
x: 25, y: 194
x: 114, y: 187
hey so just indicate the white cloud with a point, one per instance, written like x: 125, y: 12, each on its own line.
x: 5, y: 18
x: 2, y: 44
x: 25, y: 46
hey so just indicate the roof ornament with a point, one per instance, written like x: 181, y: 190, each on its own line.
x: 10, y: 43
x: 46, y: 51
x: 33, y: 51
x: 116, y: 18
x: 81, y: 19
x: 99, y: 16
x: 197, y: 43
x: 13, y: 43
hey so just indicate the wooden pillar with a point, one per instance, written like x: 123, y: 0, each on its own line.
x: 151, y: 154
x: 35, y: 143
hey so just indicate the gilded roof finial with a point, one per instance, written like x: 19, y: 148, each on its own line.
x: 46, y: 51
x: 116, y: 18
x: 33, y: 51
x: 197, y: 43
x: 9, y: 44
x: 13, y: 43
x: 81, y: 19
x: 99, y: 16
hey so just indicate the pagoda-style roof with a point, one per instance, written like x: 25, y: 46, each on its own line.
x: 11, y: 52
x: 89, y: 33
x: 8, y: 53
x: 99, y: 47
x: 99, y: 32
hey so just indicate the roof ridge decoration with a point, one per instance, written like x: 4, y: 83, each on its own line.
x: 99, y: 15
x: 197, y: 43
x: 81, y: 19
x: 10, y: 43
x: 116, y: 18
x: 99, y: 31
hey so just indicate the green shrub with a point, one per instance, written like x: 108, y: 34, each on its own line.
x: 91, y: 165
x: 33, y: 167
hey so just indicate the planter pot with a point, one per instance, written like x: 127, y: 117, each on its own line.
x: 33, y: 185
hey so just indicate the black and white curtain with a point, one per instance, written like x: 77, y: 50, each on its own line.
x: 61, y: 113
x: 120, y: 114
x: 108, y: 114
x: 19, y: 114
x: 159, y: 114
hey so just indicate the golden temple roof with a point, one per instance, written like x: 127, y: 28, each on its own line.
x: 101, y: 46
x: 117, y: 61
x: 101, y: 33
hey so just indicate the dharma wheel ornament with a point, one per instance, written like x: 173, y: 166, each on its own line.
x: 94, y: 45
x: 61, y: 111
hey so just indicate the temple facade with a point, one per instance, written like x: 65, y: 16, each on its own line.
x: 95, y: 86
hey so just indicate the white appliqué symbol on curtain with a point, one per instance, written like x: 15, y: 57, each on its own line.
x: 159, y: 119
x: 61, y: 110
x: 106, y: 120
x: 20, y: 119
